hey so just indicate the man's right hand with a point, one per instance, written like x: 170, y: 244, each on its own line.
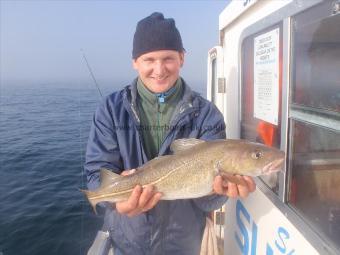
x: 140, y: 200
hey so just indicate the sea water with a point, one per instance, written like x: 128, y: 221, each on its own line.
x: 43, y: 135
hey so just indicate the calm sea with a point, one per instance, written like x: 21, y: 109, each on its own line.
x: 43, y: 134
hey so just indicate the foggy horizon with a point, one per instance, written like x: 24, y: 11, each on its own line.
x: 41, y: 42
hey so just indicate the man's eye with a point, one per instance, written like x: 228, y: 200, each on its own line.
x: 148, y: 60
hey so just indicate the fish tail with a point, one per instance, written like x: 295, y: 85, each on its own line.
x: 89, y: 194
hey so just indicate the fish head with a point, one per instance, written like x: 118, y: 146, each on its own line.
x: 251, y: 159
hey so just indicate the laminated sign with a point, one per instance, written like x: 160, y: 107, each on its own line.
x: 266, y: 76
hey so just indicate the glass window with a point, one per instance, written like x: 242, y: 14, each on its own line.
x: 261, y: 90
x: 316, y: 78
x: 314, y: 181
x: 213, y: 79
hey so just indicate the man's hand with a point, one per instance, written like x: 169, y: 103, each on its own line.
x: 140, y: 200
x: 234, y: 186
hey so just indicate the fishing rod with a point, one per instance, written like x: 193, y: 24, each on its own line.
x: 90, y: 71
x: 80, y: 140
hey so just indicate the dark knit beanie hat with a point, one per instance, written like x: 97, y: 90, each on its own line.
x: 156, y: 33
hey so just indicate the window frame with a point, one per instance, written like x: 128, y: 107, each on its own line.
x: 284, y: 15
x: 280, y: 110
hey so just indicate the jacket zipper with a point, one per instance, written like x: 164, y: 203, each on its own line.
x: 136, y: 121
x: 174, y: 123
x: 158, y: 130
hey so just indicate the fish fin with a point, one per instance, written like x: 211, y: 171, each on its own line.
x: 89, y: 194
x: 184, y: 144
x: 107, y: 177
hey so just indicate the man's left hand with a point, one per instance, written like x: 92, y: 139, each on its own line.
x: 234, y: 186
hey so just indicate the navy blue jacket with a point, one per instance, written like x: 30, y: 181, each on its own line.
x: 115, y: 142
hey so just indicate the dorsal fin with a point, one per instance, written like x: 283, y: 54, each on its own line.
x: 107, y: 177
x: 184, y: 144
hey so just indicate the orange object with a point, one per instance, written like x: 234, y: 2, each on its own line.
x: 266, y: 132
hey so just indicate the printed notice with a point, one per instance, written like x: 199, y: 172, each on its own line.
x: 266, y: 76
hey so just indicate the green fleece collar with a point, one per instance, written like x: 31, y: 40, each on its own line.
x: 155, y: 98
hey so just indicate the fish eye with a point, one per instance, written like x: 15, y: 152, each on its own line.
x: 256, y: 155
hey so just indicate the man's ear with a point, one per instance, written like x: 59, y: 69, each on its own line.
x: 134, y: 64
x: 181, y: 56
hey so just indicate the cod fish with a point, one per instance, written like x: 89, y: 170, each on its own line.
x: 189, y: 172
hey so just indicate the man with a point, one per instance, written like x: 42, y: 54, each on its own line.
x: 139, y: 123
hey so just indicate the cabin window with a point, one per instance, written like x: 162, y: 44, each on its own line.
x: 316, y: 79
x: 314, y: 120
x: 315, y: 179
x: 261, y: 90
x: 213, y: 79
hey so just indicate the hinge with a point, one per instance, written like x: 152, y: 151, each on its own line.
x: 221, y: 88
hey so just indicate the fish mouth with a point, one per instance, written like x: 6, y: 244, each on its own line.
x: 274, y: 166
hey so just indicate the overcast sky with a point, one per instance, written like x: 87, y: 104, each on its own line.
x: 40, y: 41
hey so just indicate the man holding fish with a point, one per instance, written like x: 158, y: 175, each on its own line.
x: 139, y: 123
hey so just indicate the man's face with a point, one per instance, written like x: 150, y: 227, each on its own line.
x: 159, y: 70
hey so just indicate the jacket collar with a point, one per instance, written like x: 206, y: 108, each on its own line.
x: 186, y: 104
x: 156, y: 98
